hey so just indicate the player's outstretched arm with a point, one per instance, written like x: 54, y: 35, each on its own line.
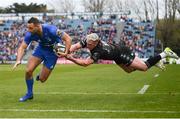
x: 81, y: 62
x: 67, y: 39
x: 20, y: 54
x: 75, y: 47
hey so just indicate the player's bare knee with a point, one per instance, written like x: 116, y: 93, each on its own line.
x: 42, y: 79
x: 29, y: 72
x: 144, y: 69
x: 128, y: 71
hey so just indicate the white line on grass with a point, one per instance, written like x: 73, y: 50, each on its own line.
x: 85, y: 93
x: 89, y: 111
x: 80, y: 93
x: 143, y: 89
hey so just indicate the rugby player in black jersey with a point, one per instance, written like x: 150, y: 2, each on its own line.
x: 122, y: 55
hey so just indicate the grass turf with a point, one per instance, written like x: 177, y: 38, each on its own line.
x: 98, y: 91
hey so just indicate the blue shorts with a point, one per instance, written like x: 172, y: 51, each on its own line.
x: 48, y: 57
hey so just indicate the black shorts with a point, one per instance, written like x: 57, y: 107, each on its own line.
x: 124, y: 56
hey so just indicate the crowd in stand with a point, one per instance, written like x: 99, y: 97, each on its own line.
x: 139, y: 36
x: 9, y: 41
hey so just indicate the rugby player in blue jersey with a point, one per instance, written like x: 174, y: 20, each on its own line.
x: 46, y: 35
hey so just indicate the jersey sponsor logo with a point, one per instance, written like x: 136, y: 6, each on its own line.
x: 106, y: 47
x: 48, y: 39
x: 59, y: 32
x: 51, y: 67
x: 83, y: 43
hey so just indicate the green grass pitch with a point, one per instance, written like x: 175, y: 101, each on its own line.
x: 97, y: 91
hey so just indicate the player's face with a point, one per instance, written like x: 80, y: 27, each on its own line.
x: 32, y: 28
x: 91, y: 44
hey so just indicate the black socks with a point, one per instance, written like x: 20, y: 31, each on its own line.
x: 152, y: 61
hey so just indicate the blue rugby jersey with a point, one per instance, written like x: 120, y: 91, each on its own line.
x: 50, y: 35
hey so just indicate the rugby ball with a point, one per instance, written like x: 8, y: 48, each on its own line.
x: 59, y: 48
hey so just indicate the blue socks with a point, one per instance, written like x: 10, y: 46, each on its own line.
x: 29, y: 84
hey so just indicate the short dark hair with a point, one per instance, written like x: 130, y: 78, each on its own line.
x: 33, y: 20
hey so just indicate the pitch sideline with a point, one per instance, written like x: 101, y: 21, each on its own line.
x: 89, y: 111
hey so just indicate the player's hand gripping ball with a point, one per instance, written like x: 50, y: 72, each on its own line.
x: 59, y: 49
